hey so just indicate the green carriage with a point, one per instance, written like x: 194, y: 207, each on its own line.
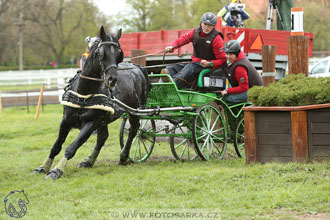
x: 201, y: 123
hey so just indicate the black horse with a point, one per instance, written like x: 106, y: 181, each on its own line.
x: 87, y: 105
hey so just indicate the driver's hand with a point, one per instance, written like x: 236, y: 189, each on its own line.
x: 205, y: 63
x: 223, y: 92
x: 169, y: 49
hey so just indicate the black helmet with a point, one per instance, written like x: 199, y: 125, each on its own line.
x: 233, y: 46
x: 209, y: 18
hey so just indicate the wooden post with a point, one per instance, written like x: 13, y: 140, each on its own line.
x: 40, y: 101
x: 0, y: 103
x: 299, y: 136
x: 298, y: 54
x: 268, y: 64
x: 142, y: 60
x: 250, y: 133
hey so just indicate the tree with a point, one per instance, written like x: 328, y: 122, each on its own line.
x: 198, y: 8
x: 316, y: 20
x: 8, y: 19
x: 56, y: 25
x: 139, y: 18
x: 162, y: 16
x: 53, y: 30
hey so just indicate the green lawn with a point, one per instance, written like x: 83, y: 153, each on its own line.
x: 160, y: 187
x: 20, y: 88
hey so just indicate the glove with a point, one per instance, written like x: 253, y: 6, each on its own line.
x: 169, y: 49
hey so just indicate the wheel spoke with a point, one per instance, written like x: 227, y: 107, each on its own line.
x: 239, y: 139
x: 135, y: 150
x: 142, y: 143
x: 179, y: 145
x: 207, y: 116
x: 140, y: 152
x: 208, y: 148
x: 217, y: 138
x: 209, y: 132
x: 203, y: 120
x: 202, y: 148
x: 184, y: 149
x: 216, y: 146
x: 201, y: 137
x: 188, y: 152
x: 145, y: 147
x: 215, y: 122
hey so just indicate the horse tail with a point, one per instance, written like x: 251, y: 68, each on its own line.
x: 145, y: 73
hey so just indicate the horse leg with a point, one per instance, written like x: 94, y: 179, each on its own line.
x: 85, y: 132
x: 56, y: 149
x: 102, y: 136
x: 135, y: 124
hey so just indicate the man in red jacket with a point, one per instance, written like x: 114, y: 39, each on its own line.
x: 208, y: 51
x: 241, y: 74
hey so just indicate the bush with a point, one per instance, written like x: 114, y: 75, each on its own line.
x: 294, y: 90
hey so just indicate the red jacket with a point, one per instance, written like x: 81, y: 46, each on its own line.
x: 241, y: 76
x: 217, y: 45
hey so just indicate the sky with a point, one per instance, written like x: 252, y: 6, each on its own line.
x: 110, y: 7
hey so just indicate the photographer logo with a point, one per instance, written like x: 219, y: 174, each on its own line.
x: 15, y: 204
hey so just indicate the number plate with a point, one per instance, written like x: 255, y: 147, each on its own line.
x: 214, y: 82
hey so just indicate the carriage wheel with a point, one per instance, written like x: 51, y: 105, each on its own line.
x: 209, y: 133
x: 239, y: 139
x: 144, y: 141
x: 181, y: 143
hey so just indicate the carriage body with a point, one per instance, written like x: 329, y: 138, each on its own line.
x: 166, y: 94
x: 199, y: 124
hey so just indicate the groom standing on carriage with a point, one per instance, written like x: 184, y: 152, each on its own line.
x: 208, y: 51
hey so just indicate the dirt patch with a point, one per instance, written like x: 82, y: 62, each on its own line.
x: 299, y: 216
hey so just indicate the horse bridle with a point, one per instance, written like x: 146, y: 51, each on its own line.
x: 100, y: 51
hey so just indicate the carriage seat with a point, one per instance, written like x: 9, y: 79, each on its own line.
x: 211, y: 80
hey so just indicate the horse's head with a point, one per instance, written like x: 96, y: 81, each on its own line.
x: 110, y: 54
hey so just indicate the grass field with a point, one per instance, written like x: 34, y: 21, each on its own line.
x: 20, y: 88
x: 160, y: 188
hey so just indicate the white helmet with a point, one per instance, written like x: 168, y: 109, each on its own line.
x: 90, y: 40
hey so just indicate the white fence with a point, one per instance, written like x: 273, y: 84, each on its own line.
x: 50, y: 78
x: 29, y: 77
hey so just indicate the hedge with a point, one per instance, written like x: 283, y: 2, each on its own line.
x: 294, y: 90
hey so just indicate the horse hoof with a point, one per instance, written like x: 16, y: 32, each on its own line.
x: 40, y: 170
x: 54, y: 174
x: 123, y: 162
x: 85, y: 164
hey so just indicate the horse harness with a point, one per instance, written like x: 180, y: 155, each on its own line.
x: 100, y: 52
x: 92, y: 101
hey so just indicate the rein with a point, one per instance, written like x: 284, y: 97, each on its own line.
x: 146, y: 67
x: 154, y: 66
x: 92, y: 78
x: 146, y: 55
